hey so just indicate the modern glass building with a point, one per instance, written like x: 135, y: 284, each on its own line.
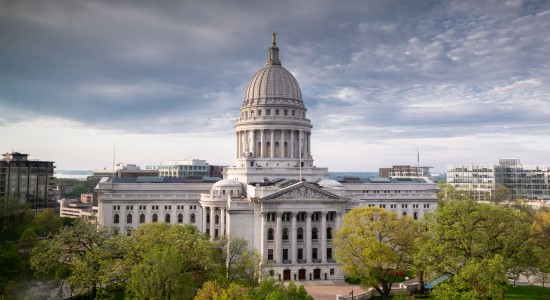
x: 29, y: 181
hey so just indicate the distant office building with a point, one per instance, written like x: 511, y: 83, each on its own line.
x: 187, y: 168
x: 78, y: 210
x: 404, y: 171
x: 123, y: 170
x: 529, y: 182
x: 476, y: 178
x: 29, y: 181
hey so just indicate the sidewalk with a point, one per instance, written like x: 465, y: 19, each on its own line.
x: 327, y: 290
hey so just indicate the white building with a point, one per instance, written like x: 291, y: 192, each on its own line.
x: 528, y: 182
x: 274, y: 196
x: 186, y: 168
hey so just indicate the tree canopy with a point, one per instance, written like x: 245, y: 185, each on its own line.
x: 476, y: 245
x: 374, y: 244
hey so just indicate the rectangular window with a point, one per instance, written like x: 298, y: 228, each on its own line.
x: 276, y: 112
x: 331, y: 271
x: 293, y: 113
x: 285, y: 254
x: 314, y: 253
x: 259, y: 112
x: 329, y: 253
x: 286, y: 112
x: 268, y: 112
x: 269, y: 254
x: 300, y: 253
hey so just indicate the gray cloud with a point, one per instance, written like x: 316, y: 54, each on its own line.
x: 368, y: 69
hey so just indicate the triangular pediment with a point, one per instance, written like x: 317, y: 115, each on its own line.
x: 302, y: 192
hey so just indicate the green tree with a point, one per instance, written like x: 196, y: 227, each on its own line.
x: 476, y: 244
x: 540, y: 233
x: 214, y: 291
x: 374, y: 244
x: 48, y: 221
x: 81, y: 255
x: 243, y: 265
x: 501, y: 194
x: 447, y: 192
x: 169, y: 262
x: 270, y: 289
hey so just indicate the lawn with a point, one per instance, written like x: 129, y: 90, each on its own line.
x: 527, y: 292
x: 518, y: 292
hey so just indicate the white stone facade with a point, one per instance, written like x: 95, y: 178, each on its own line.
x: 274, y: 196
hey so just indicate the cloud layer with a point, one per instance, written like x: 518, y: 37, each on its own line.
x: 381, y: 77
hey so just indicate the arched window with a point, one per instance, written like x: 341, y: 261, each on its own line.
x: 192, y: 219
x: 217, y: 219
x: 116, y: 219
x: 128, y: 232
x: 167, y: 218
x: 129, y: 219
x: 286, y: 150
x: 329, y: 233
x: 314, y: 233
x: 285, y: 234
x: 270, y: 234
x: 141, y: 218
x: 155, y: 218
x: 404, y: 213
x: 180, y: 218
x: 300, y: 234
x: 415, y: 215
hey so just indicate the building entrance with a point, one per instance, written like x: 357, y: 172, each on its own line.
x: 286, y: 275
x: 317, y: 274
x: 302, y: 274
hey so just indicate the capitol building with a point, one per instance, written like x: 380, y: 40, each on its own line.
x: 273, y: 196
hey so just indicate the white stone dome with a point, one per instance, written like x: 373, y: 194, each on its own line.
x: 329, y: 183
x: 273, y: 82
x: 226, y: 183
x: 227, y: 187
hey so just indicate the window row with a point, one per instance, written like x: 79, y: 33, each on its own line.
x: 301, y: 216
x: 299, y: 234
x: 167, y: 218
x: 155, y: 207
x: 300, y: 255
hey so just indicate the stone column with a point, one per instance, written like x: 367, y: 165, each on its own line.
x: 253, y: 148
x: 263, y: 236
x: 278, y: 240
x: 294, y: 241
x: 222, y: 221
x: 204, y: 210
x: 292, y: 144
x: 212, y: 219
x: 262, y: 141
x: 323, y: 237
x: 272, y: 143
x: 237, y: 139
x: 309, y: 144
x: 307, y: 236
x: 282, y: 144
x: 338, y: 220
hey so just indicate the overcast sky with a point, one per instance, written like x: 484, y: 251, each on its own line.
x: 464, y: 81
